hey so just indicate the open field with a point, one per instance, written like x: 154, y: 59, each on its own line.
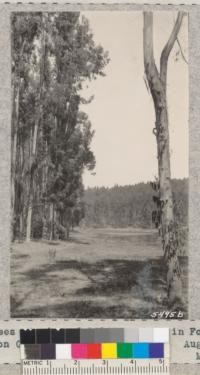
x: 99, y: 273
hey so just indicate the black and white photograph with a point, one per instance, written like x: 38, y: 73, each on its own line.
x: 99, y: 164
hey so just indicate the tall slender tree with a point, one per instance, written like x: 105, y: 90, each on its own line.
x: 38, y: 119
x: 157, y: 82
x: 25, y: 32
x: 53, y: 55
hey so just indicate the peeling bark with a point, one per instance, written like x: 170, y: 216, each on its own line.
x: 157, y: 82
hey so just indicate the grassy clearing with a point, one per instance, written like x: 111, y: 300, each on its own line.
x: 99, y: 273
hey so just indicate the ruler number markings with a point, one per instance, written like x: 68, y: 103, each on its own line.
x: 104, y: 368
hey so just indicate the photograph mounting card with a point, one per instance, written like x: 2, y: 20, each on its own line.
x: 99, y: 164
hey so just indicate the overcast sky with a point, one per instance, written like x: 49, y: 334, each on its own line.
x: 122, y: 112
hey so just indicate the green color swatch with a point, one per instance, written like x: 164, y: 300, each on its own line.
x: 124, y: 350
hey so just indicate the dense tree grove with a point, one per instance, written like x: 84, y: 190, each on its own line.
x: 53, y: 54
x: 133, y: 206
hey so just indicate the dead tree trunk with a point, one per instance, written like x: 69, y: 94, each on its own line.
x: 157, y: 81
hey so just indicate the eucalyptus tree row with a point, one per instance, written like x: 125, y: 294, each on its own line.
x: 53, y: 55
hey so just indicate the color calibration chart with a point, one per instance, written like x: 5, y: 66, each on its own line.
x: 95, y: 351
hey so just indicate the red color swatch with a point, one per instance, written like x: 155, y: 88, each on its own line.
x: 94, y: 351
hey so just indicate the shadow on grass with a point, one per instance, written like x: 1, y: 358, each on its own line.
x: 70, y: 240
x: 52, y: 243
x: 21, y: 256
x: 77, y: 241
x: 78, y: 309
x: 140, y: 280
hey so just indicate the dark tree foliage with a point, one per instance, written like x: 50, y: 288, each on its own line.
x: 131, y: 205
x: 53, y: 55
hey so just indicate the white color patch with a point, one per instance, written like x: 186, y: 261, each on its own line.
x: 63, y: 351
x: 161, y: 335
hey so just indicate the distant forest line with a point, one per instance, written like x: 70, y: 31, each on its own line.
x: 131, y: 205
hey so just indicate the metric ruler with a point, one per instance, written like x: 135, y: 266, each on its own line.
x: 95, y: 367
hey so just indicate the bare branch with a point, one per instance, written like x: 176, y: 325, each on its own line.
x: 151, y: 71
x: 149, y: 61
x: 181, y: 51
x: 146, y: 84
x: 168, y: 47
x: 148, y: 39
